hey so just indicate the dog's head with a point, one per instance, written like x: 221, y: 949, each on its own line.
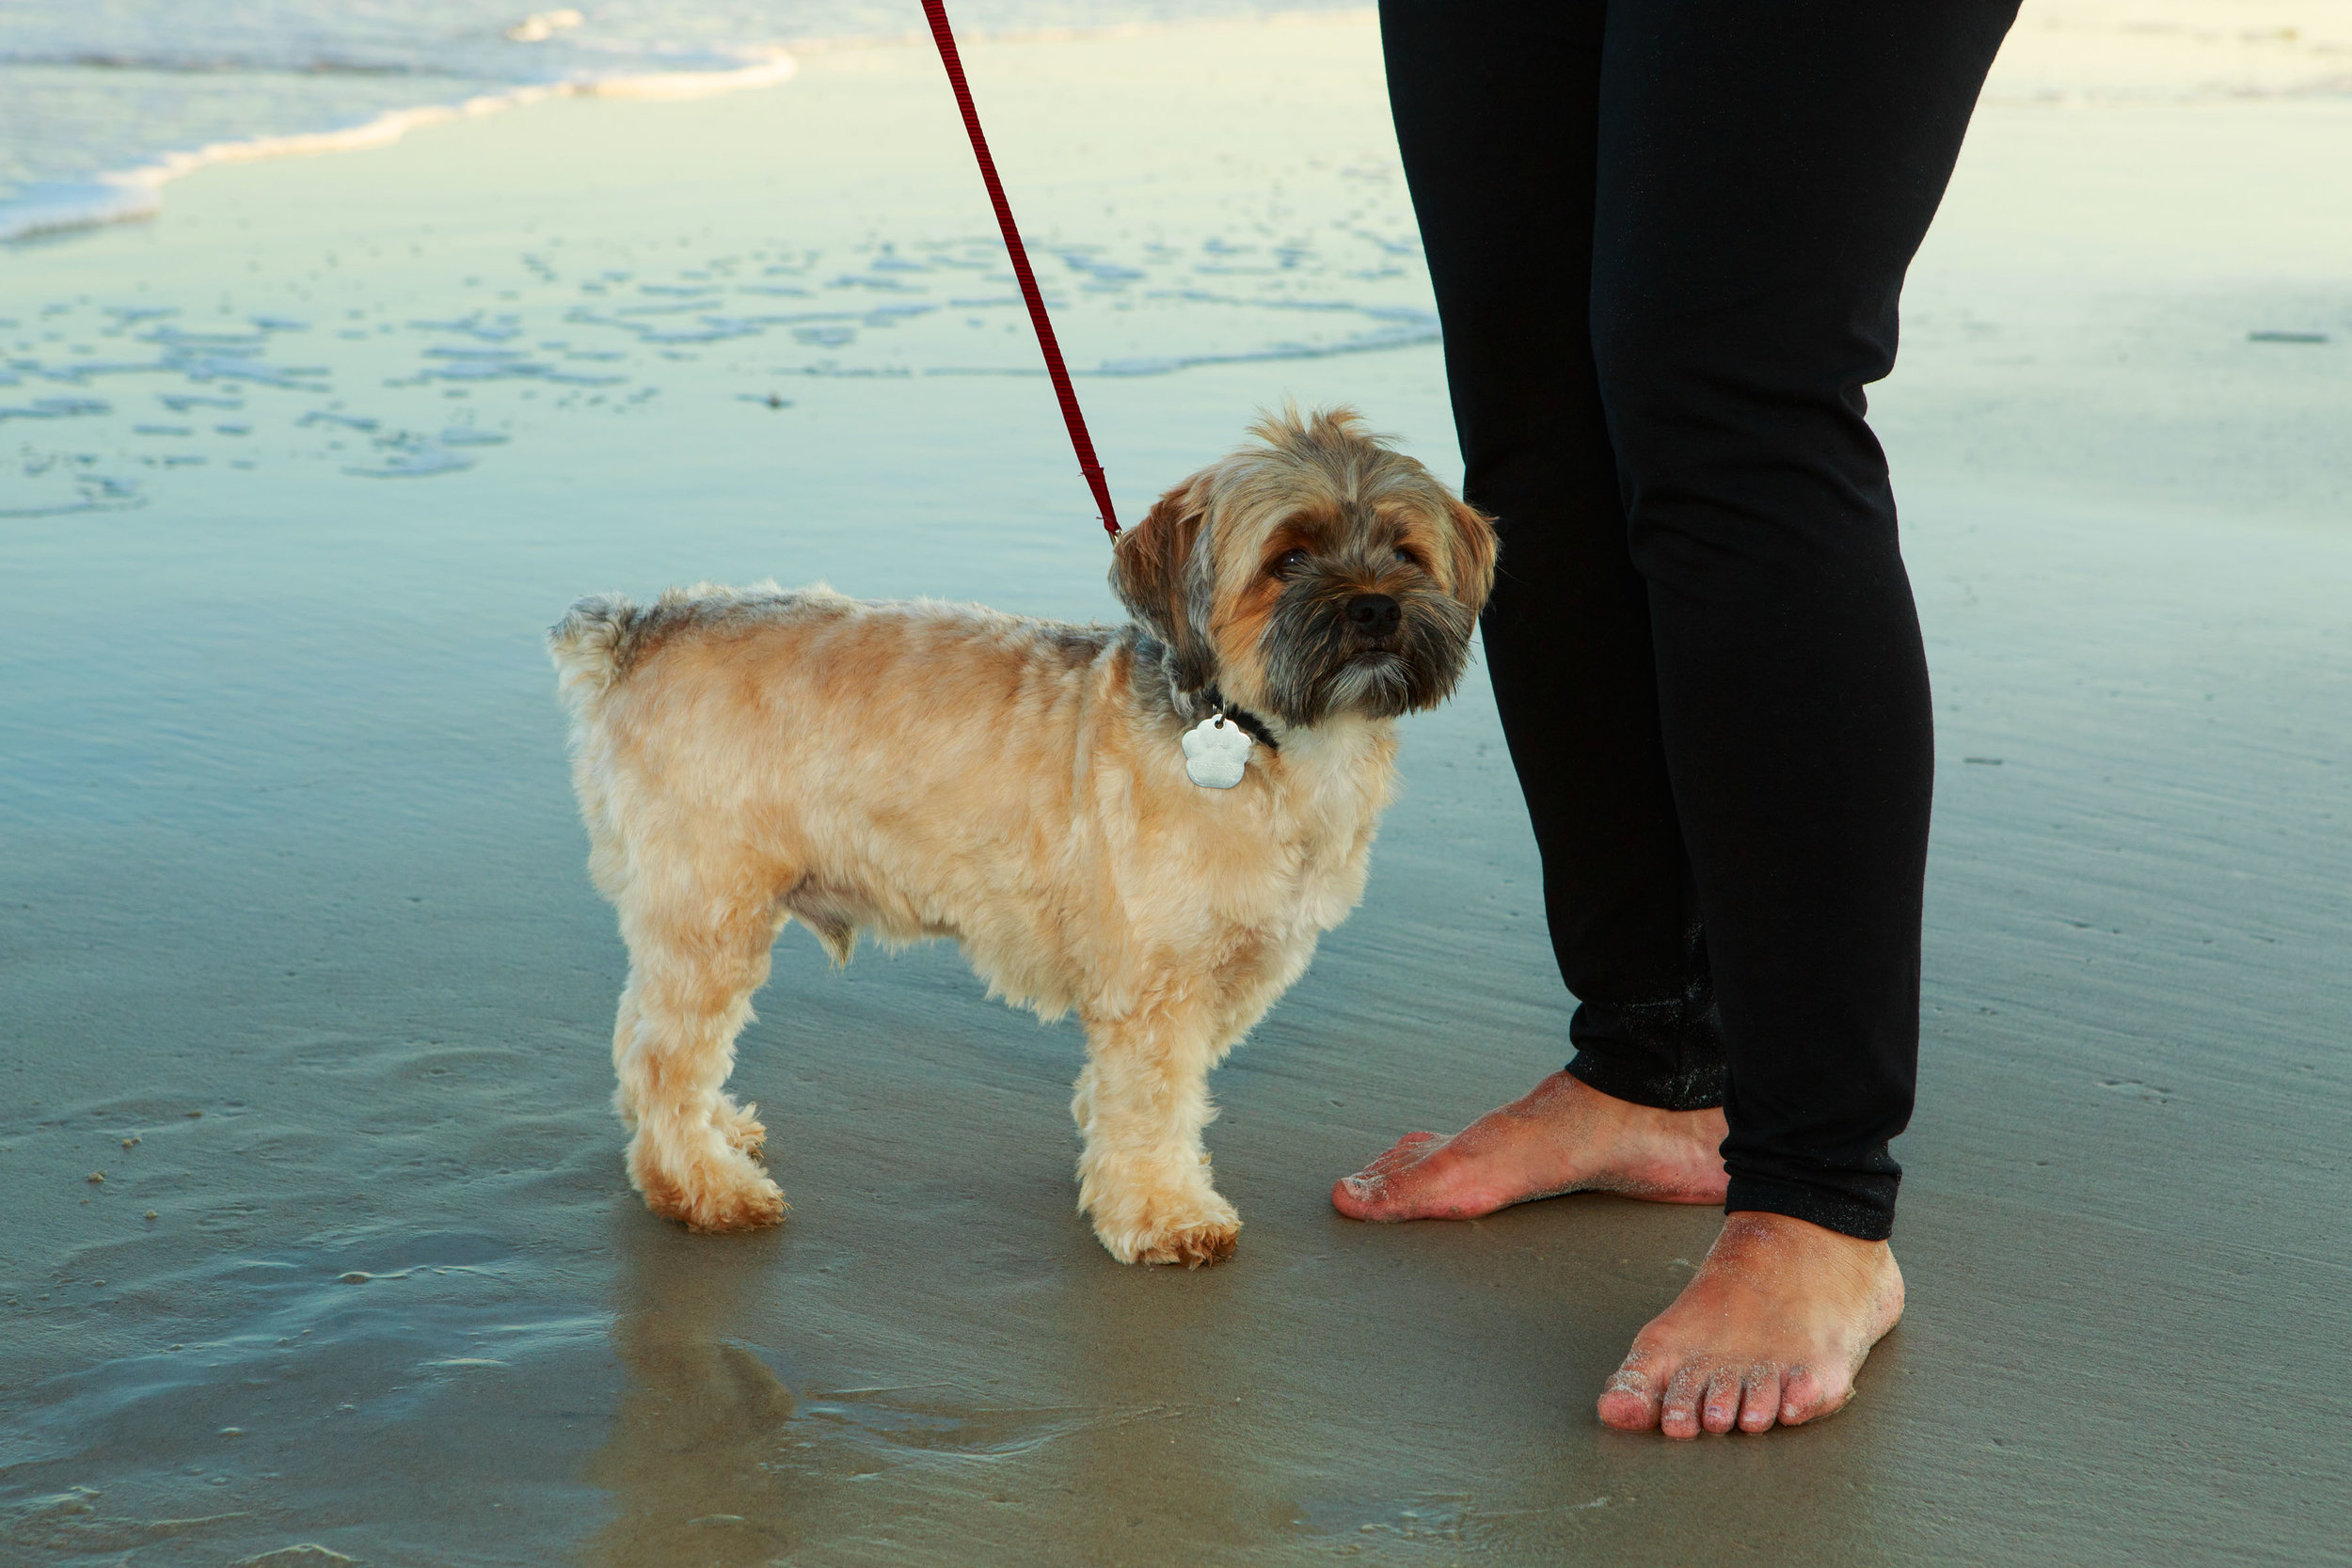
x: 1314, y: 574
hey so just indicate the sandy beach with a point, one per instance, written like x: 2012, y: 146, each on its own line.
x: 320, y: 1242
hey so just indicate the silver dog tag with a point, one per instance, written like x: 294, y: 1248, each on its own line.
x: 1215, y: 752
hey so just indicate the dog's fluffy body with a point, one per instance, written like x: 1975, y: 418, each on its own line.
x: 744, y: 756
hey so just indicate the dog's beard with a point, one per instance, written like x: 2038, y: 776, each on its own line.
x: 1317, y: 665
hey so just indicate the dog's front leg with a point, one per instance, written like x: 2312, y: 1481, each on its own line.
x: 1141, y: 1105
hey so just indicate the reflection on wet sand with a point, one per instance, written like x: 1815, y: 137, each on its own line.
x: 1174, y: 1463
x: 702, y: 1415
x: 714, y: 1457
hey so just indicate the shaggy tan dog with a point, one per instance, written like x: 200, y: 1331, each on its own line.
x: 748, y: 756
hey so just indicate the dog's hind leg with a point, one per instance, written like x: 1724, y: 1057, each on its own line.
x: 694, y: 962
x: 1141, y: 1105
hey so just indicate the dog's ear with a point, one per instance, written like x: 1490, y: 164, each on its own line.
x: 1155, y: 576
x: 1474, y: 548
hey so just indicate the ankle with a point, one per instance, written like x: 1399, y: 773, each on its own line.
x: 1762, y: 1238
x: 1624, y: 1116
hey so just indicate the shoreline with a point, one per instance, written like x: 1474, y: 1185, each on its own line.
x: 135, y: 194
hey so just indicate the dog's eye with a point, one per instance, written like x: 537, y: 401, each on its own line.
x: 1289, y: 561
x: 1406, y: 556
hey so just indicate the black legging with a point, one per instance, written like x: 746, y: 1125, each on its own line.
x: 1667, y: 239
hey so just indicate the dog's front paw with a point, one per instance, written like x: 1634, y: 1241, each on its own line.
x: 1211, y: 1241
x: 1192, y: 1238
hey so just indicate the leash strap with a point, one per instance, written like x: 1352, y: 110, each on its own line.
x: 1089, y: 464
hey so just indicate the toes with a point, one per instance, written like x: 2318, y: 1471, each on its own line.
x: 1405, y: 1150
x: 697, y: 1178
x: 1808, y: 1396
x: 1359, y: 1195
x: 1191, y: 1246
x: 1375, y: 1193
x: 1719, y: 1409
x: 1761, y: 1407
x: 1679, y: 1415
x: 752, y: 1208
x: 1208, y: 1245
x: 716, y: 1209
x: 1362, y: 1187
x: 1630, y: 1402
x: 1192, y: 1230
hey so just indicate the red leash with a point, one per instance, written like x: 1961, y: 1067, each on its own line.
x: 1089, y: 464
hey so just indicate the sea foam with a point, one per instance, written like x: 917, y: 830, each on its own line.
x: 126, y: 195
x: 103, y: 105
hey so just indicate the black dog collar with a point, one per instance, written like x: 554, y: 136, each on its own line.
x: 1241, y: 718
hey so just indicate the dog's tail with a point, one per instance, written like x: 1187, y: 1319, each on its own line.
x: 590, y: 647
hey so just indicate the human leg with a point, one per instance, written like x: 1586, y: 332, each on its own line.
x: 1765, y: 178
x: 1496, y: 105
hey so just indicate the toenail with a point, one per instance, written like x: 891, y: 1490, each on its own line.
x: 1357, y: 1186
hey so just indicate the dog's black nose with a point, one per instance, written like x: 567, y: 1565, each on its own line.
x: 1373, y: 614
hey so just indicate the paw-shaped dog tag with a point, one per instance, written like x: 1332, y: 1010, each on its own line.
x: 1216, y: 753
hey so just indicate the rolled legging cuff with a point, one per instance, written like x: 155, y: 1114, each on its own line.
x: 1697, y: 1087
x: 1668, y: 1055
x: 1862, y: 1216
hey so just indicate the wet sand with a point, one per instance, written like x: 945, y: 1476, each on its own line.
x: 300, y: 953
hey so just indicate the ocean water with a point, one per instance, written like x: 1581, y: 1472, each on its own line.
x: 103, y: 103
x: 110, y: 403
x: 100, y: 104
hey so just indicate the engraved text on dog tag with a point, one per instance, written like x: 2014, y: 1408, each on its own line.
x: 1217, y: 752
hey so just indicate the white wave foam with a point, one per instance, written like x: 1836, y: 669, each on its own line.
x: 539, y: 26
x: 55, y: 208
x: 131, y: 194
x: 2151, y: 52
x: 691, y: 84
x: 87, y: 201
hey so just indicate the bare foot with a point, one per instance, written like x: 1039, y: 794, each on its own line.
x: 1772, y: 1329
x: 1564, y: 1137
